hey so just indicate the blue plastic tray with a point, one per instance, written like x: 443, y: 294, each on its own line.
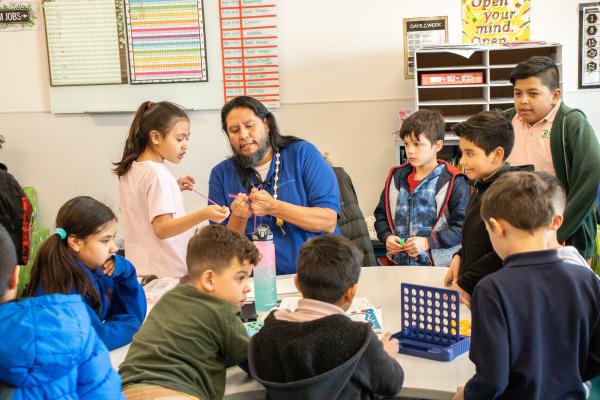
x: 430, y: 323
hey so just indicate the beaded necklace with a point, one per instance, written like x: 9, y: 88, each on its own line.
x: 278, y: 221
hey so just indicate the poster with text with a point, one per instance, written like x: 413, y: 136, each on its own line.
x: 19, y: 15
x: 250, y: 50
x: 589, y: 49
x: 419, y: 32
x: 495, y: 21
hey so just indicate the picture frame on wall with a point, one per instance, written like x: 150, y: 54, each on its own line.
x: 419, y: 32
x: 589, y: 46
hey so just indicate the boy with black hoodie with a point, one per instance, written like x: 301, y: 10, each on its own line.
x: 486, y: 140
x: 316, y: 351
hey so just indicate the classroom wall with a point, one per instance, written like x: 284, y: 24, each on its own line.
x: 342, y: 80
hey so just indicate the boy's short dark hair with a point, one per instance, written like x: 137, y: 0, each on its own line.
x: 522, y: 199
x: 426, y: 122
x: 8, y: 259
x: 539, y: 66
x: 488, y: 130
x: 328, y: 265
x: 557, y: 191
x: 214, y: 247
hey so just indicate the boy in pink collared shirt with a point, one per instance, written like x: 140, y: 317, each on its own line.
x: 316, y: 351
x: 558, y: 140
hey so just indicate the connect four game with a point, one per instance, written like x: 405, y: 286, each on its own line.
x: 430, y: 323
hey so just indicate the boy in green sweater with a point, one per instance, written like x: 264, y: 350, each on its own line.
x: 195, y: 330
x: 559, y: 140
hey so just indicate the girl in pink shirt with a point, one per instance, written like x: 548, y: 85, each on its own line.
x: 157, y: 229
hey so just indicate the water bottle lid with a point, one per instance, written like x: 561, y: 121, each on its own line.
x: 262, y: 233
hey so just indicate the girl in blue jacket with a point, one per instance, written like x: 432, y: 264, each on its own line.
x: 49, y: 349
x: 80, y: 259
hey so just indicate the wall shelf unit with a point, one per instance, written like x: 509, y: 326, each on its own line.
x: 459, y: 102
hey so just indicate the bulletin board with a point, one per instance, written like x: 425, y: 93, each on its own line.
x: 182, y: 80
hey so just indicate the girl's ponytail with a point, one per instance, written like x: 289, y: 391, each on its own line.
x: 55, y: 269
x: 149, y: 117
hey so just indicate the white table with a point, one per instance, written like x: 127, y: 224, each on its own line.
x: 425, y: 379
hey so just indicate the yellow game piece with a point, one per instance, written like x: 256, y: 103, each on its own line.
x: 465, y: 327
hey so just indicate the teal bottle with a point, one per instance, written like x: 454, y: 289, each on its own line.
x: 265, y: 282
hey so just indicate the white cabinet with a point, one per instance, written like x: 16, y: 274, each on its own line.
x: 458, y: 102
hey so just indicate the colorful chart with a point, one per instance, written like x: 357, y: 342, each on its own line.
x: 250, y: 51
x: 166, y: 41
x: 85, y: 42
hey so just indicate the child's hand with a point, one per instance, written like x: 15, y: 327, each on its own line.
x: 109, y: 267
x: 392, y: 244
x: 416, y: 245
x: 390, y: 345
x: 452, y: 273
x: 262, y: 203
x: 465, y: 297
x: 216, y: 214
x: 460, y: 393
x: 186, y: 183
x: 241, y: 206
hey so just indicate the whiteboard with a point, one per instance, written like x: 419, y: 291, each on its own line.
x: 127, y: 97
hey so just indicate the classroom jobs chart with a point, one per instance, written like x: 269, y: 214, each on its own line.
x: 250, y: 50
x: 166, y: 41
x: 86, y: 44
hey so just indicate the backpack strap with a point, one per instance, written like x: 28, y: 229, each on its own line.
x: 6, y: 391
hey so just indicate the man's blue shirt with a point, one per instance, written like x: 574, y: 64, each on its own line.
x: 305, y: 179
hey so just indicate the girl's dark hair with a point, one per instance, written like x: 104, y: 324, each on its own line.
x: 54, y: 269
x: 149, y: 117
x: 277, y: 141
x: 1, y: 141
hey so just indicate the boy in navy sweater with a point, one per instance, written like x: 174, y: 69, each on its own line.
x: 536, y: 329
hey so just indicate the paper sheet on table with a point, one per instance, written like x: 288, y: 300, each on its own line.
x: 284, y: 286
x: 157, y: 287
x: 361, y: 309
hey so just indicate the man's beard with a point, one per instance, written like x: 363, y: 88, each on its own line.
x: 251, y: 160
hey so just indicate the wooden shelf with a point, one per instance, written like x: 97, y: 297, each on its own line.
x: 511, y: 66
x: 451, y: 68
x: 457, y: 102
x: 453, y: 86
x: 503, y: 82
x: 496, y: 63
x: 501, y: 100
x: 456, y: 118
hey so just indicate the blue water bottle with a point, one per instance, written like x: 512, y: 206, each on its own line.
x: 265, y: 282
